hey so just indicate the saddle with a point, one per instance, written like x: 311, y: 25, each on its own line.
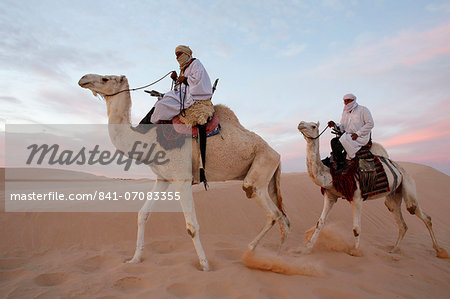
x: 174, y: 135
x: 197, y: 114
x: 198, y: 121
x: 367, y: 169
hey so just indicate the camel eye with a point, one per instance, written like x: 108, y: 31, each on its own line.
x: 313, y: 127
x: 105, y: 79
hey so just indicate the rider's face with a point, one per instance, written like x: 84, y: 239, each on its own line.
x: 346, y: 101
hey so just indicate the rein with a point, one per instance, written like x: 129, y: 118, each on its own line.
x: 133, y: 89
x: 323, y: 131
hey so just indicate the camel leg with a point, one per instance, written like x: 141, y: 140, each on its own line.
x: 143, y: 215
x: 192, y: 226
x: 328, y: 203
x: 256, y: 185
x: 356, y: 208
x: 412, y: 205
x: 284, y: 229
x: 440, y: 252
x: 273, y: 214
x: 275, y: 195
x: 393, y: 203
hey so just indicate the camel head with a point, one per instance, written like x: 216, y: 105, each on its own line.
x: 309, y: 129
x: 103, y: 85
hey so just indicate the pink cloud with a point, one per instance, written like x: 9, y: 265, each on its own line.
x: 426, y: 44
x: 407, y: 48
x: 438, y: 130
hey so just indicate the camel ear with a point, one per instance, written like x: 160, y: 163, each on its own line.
x: 122, y: 78
x: 318, y: 123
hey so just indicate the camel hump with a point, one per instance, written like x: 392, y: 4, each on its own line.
x: 378, y: 150
x: 226, y: 114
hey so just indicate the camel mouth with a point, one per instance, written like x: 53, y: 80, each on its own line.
x: 301, y: 127
x: 86, y: 83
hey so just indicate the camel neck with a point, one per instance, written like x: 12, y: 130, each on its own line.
x: 119, y: 108
x: 316, y: 169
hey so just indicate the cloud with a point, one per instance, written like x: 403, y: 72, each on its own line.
x: 435, y: 131
x: 35, y: 46
x: 438, y: 7
x: 292, y: 50
x: 9, y: 100
x: 378, y: 55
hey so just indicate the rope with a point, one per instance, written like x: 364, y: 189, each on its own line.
x: 323, y: 131
x: 133, y: 89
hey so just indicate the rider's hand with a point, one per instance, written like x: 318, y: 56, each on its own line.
x: 182, y: 79
x: 354, y: 136
x: 174, y: 75
x: 331, y: 124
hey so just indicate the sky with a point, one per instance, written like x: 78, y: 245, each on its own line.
x: 278, y: 63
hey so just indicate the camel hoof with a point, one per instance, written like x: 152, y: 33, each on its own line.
x: 308, y: 234
x: 355, y: 252
x: 394, y: 250
x: 303, y: 250
x: 205, y: 267
x: 442, y: 253
x: 133, y: 261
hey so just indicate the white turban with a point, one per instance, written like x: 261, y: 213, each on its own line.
x: 184, y: 58
x: 351, y: 105
x: 349, y: 96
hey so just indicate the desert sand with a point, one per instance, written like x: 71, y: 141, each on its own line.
x: 81, y: 255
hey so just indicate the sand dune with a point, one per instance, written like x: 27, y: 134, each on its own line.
x: 80, y: 255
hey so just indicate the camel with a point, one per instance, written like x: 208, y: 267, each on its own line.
x: 404, y: 188
x: 235, y: 154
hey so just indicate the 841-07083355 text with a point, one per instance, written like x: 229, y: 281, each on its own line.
x: 98, y: 195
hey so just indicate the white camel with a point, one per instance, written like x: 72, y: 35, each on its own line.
x: 235, y: 154
x: 404, y: 187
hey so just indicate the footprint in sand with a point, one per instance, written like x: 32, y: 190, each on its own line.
x: 181, y: 289
x: 93, y: 264
x: 131, y: 283
x: 51, y: 279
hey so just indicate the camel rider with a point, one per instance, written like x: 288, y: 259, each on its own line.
x: 356, y: 125
x: 192, y: 85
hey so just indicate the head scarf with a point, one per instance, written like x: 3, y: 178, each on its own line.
x: 184, y: 58
x: 352, y: 105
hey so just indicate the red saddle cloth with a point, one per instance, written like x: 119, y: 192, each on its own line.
x: 184, y: 129
x: 174, y: 135
x: 344, y: 181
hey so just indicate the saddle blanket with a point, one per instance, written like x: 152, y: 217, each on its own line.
x: 345, y: 181
x: 173, y: 136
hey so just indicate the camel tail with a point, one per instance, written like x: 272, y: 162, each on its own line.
x: 275, y: 192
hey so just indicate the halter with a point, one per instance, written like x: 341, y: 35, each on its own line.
x: 133, y: 89
x: 314, y: 138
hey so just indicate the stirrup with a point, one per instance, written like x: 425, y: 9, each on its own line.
x: 154, y: 93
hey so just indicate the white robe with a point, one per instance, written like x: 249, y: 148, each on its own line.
x: 358, y: 121
x: 199, y: 88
